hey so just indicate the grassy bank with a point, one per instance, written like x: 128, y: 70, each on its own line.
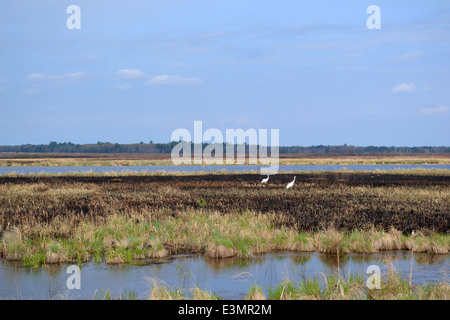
x: 353, y: 287
x: 75, y: 160
x: 80, y: 162
x: 366, y: 161
x: 123, y: 238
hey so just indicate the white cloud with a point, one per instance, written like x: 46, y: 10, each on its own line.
x: 409, y: 56
x: 174, y: 80
x: 435, y: 111
x: 68, y: 77
x: 3, y: 81
x: 35, y: 76
x: 404, y: 88
x: 131, y: 74
x: 128, y: 74
x: 3, y: 90
x: 76, y: 75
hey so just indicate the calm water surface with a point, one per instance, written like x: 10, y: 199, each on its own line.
x: 236, y: 168
x: 229, y: 278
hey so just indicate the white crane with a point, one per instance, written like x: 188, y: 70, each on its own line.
x: 265, y: 180
x: 290, y: 184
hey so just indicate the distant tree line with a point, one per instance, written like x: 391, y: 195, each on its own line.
x: 107, y: 147
x: 369, y: 149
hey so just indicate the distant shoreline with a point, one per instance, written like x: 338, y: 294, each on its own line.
x: 150, y: 159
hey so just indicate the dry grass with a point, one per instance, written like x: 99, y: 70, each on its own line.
x: 122, y: 238
x: 159, y: 290
x: 15, y: 160
x: 65, y: 219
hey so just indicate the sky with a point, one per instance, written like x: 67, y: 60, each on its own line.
x: 138, y: 70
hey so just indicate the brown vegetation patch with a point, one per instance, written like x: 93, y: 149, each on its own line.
x: 219, y: 251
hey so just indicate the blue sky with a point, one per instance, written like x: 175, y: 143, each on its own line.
x: 138, y: 70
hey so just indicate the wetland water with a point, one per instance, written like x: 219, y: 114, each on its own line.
x: 229, y: 278
x: 213, y: 168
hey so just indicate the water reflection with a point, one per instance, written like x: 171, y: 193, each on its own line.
x: 229, y: 278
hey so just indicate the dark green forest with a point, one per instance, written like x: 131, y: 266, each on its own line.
x: 107, y: 147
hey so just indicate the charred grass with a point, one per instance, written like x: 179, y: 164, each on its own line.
x: 121, y: 219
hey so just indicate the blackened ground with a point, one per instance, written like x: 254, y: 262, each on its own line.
x: 318, y: 200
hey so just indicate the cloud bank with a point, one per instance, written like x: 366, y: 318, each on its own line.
x: 404, y: 88
x: 174, y: 80
x: 435, y: 111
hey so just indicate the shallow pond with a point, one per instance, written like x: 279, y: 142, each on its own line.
x: 229, y: 278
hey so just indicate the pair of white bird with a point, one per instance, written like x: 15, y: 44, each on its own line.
x: 287, y: 187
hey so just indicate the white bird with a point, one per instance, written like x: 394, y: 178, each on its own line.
x: 265, y: 180
x: 290, y: 184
